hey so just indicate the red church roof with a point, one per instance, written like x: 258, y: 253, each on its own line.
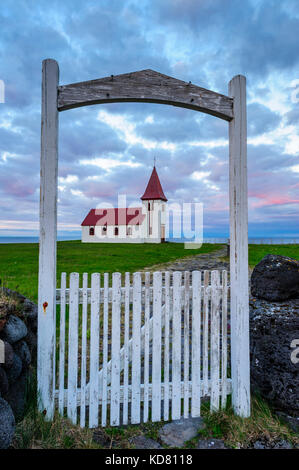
x: 154, y: 189
x: 123, y: 216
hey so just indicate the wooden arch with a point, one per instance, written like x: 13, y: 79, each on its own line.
x: 152, y: 87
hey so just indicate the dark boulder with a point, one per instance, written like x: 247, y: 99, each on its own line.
x: 15, y: 370
x: 17, y: 396
x: 14, y: 330
x: 274, y: 373
x: 7, y: 424
x: 22, y: 350
x: 276, y: 278
x: 3, y: 382
x: 8, y: 355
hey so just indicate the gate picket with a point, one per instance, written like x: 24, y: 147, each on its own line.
x: 62, y: 344
x: 186, y: 343
x: 176, y: 346
x: 196, y: 350
x: 73, y: 348
x: 146, y: 346
x: 136, y: 349
x: 126, y: 349
x: 115, y: 348
x: 224, y: 341
x: 156, y: 365
x: 215, y: 341
x: 94, y: 351
x: 84, y: 351
x: 166, y: 346
x: 105, y: 348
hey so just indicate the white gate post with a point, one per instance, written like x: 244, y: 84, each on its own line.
x: 47, y: 240
x: 240, y: 362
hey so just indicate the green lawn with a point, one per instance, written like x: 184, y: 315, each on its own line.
x: 257, y: 252
x: 19, y: 262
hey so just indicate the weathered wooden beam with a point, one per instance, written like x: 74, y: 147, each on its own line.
x: 145, y: 86
x: 239, y: 249
x: 47, y: 241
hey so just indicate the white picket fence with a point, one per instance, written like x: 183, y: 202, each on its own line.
x: 148, y: 349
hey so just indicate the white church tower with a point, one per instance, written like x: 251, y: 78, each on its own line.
x: 154, y: 207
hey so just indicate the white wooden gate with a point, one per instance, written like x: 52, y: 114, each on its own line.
x: 151, y: 87
x: 146, y: 348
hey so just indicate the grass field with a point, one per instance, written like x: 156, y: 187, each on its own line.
x: 19, y: 262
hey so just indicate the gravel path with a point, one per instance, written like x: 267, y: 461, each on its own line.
x: 200, y: 262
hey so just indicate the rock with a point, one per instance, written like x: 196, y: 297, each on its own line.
x: 142, y: 442
x: 8, y: 355
x: 267, y: 444
x: 275, y: 278
x: 210, y: 444
x: 3, y: 382
x: 7, y: 424
x: 273, y: 327
x: 100, y: 438
x: 16, y: 396
x: 291, y: 421
x: 176, y: 433
x: 23, y: 352
x: 14, y: 330
x: 15, y: 370
x: 31, y: 341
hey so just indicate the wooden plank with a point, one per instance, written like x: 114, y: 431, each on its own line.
x: 121, y: 391
x: 94, y: 351
x: 47, y: 241
x: 145, y: 86
x: 105, y: 349
x: 176, y: 346
x: 62, y: 344
x: 239, y: 249
x: 215, y: 341
x: 166, y: 346
x: 186, y: 342
x: 196, y: 349
x: 146, y: 346
x: 224, y: 341
x: 84, y: 351
x: 156, y: 365
x: 115, y: 350
x: 72, y: 382
x: 136, y: 349
x: 206, y: 330
x: 126, y: 349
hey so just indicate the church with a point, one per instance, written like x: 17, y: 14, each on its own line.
x: 144, y: 224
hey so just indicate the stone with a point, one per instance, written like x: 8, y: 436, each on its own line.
x: 16, y: 396
x: 7, y: 424
x: 291, y: 421
x: 3, y: 382
x: 100, y: 438
x: 14, y: 330
x: 275, y: 278
x: 8, y: 355
x: 22, y: 350
x: 265, y: 443
x: 210, y: 444
x: 15, y: 370
x: 31, y: 341
x: 176, y: 433
x: 273, y: 327
x: 142, y: 442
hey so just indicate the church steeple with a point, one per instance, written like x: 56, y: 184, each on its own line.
x: 154, y: 189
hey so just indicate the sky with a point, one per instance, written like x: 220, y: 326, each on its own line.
x: 106, y: 150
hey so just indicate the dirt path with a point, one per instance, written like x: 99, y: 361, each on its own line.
x: 200, y: 262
